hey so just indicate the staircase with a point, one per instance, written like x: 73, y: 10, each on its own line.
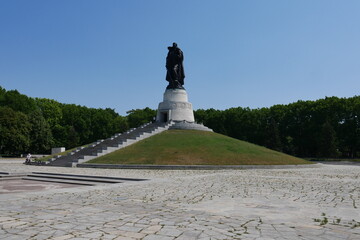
x: 66, y: 178
x: 76, y: 179
x: 109, y: 145
x: 4, y: 176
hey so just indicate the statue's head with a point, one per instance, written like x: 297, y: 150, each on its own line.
x: 174, y: 45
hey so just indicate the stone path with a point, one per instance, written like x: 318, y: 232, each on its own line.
x: 314, y: 203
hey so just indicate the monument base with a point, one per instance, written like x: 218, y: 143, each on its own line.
x: 175, y: 107
x: 190, y: 126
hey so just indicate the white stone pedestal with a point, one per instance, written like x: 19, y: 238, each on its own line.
x: 175, y: 107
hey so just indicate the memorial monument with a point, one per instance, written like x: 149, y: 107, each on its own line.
x: 175, y: 105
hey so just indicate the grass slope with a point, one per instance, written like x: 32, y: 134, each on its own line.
x: 187, y: 147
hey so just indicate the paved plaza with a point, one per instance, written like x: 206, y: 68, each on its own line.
x: 321, y: 202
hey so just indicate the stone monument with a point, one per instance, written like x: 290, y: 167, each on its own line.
x: 175, y: 105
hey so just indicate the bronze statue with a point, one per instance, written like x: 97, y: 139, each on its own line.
x: 175, y: 70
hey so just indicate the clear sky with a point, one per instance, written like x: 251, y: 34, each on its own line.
x: 248, y: 53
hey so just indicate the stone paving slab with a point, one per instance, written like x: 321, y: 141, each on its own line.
x: 307, y: 203
x: 20, y: 185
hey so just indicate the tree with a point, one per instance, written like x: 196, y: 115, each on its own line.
x: 2, y: 95
x: 51, y: 110
x: 137, y: 117
x: 40, y: 134
x: 273, y: 140
x: 120, y: 124
x: 18, y: 102
x: 327, y: 146
x: 102, y: 124
x: 60, y: 133
x: 349, y: 128
x: 14, y: 132
x: 213, y: 119
x: 73, y: 138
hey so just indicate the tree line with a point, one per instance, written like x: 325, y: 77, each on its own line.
x: 38, y: 124
x: 325, y: 128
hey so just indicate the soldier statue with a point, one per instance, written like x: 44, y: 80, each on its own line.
x: 175, y: 70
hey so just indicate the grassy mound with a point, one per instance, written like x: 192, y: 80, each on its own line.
x: 185, y: 147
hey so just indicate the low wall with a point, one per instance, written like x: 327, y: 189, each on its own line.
x: 195, y: 167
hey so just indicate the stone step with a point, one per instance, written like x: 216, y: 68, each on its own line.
x: 66, y: 178
x: 89, y: 176
x: 73, y: 178
x: 6, y: 178
x: 10, y: 176
x: 61, y: 181
x: 109, y: 145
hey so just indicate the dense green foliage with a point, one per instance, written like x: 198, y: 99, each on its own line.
x: 327, y: 127
x: 190, y: 147
x: 14, y: 131
x: 35, y: 125
x: 137, y: 117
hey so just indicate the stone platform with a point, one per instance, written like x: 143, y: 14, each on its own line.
x: 189, y: 126
x: 307, y: 203
x: 175, y: 107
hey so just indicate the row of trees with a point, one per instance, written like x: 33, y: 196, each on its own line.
x: 36, y: 124
x: 327, y: 127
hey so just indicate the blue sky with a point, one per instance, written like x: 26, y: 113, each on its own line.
x: 248, y: 53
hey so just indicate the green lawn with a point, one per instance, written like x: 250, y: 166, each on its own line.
x: 187, y: 147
